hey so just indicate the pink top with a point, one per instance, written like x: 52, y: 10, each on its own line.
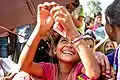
x: 50, y: 72
x: 94, y: 28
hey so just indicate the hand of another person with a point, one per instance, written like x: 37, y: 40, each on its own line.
x: 104, y: 63
x: 44, y: 18
x: 61, y: 15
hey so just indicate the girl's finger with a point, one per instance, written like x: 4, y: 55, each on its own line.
x: 54, y: 9
x: 39, y: 7
x: 59, y: 14
x: 107, y: 65
x: 102, y: 64
x: 98, y: 59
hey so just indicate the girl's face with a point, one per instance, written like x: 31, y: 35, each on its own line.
x: 91, y: 25
x: 109, y: 45
x: 66, y: 52
x: 90, y: 44
x: 99, y: 19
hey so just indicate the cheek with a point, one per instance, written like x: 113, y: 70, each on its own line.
x: 106, y: 49
x: 58, y: 50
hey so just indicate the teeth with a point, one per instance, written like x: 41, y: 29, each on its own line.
x: 67, y: 52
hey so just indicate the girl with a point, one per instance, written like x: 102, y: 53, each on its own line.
x: 113, y: 30
x: 90, y: 42
x: 69, y: 50
x: 107, y: 46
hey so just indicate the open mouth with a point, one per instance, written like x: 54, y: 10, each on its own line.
x: 68, y: 53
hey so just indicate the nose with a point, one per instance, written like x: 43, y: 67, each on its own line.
x: 109, y: 47
x: 69, y: 45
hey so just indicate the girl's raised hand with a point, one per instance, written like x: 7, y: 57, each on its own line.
x: 44, y: 18
x: 61, y: 15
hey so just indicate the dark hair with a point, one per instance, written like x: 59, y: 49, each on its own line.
x: 112, y: 13
x: 75, y: 3
x: 97, y: 14
x: 43, y: 49
x: 88, y: 20
x: 57, y: 40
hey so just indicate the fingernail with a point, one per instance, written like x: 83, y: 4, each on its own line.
x: 107, y: 71
x: 107, y: 75
x: 103, y: 73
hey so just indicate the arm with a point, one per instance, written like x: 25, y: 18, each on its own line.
x: 44, y: 24
x: 77, y: 23
x: 91, y: 69
x: 27, y: 55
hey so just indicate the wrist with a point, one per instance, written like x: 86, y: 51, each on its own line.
x: 76, y: 38
x: 75, y: 32
x: 38, y: 30
x: 76, y: 41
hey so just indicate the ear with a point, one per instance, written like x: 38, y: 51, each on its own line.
x: 112, y: 32
x: 110, y: 29
x: 54, y: 51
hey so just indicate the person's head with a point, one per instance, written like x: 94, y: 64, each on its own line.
x: 91, y: 33
x: 72, y: 5
x: 65, y: 51
x: 98, y: 17
x: 89, y: 22
x: 112, y: 16
x: 90, y: 42
x: 108, y: 45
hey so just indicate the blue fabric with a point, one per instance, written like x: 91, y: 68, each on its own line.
x: 100, y: 32
x: 111, y: 58
x: 3, y: 47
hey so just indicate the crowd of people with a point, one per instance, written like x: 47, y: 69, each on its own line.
x: 64, y: 44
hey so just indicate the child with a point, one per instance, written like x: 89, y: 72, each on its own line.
x: 90, y: 42
x: 89, y: 23
x: 108, y: 47
x: 113, y: 30
x: 69, y: 50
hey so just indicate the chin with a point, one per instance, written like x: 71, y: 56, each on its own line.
x: 70, y: 60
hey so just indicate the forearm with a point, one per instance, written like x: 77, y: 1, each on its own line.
x: 92, y: 69
x: 28, y: 52
x: 76, y: 22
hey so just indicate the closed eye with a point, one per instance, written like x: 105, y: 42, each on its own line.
x: 64, y: 40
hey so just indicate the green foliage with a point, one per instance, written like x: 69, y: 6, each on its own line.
x: 94, y: 7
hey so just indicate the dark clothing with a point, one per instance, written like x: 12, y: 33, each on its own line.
x: 111, y: 58
x: 4, y: 47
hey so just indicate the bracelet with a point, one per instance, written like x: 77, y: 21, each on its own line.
x: 77, y: 39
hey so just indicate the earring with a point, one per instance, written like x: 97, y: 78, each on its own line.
x: 110, y: 30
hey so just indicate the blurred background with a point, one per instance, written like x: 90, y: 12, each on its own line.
x: 92, y: 6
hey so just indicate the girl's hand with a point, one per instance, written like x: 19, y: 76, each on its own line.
x: 61, y: 15
x: 44, y: 18
x: 104, y: 63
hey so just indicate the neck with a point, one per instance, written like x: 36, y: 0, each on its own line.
x: 118, y: 41
x: 65, y: 67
